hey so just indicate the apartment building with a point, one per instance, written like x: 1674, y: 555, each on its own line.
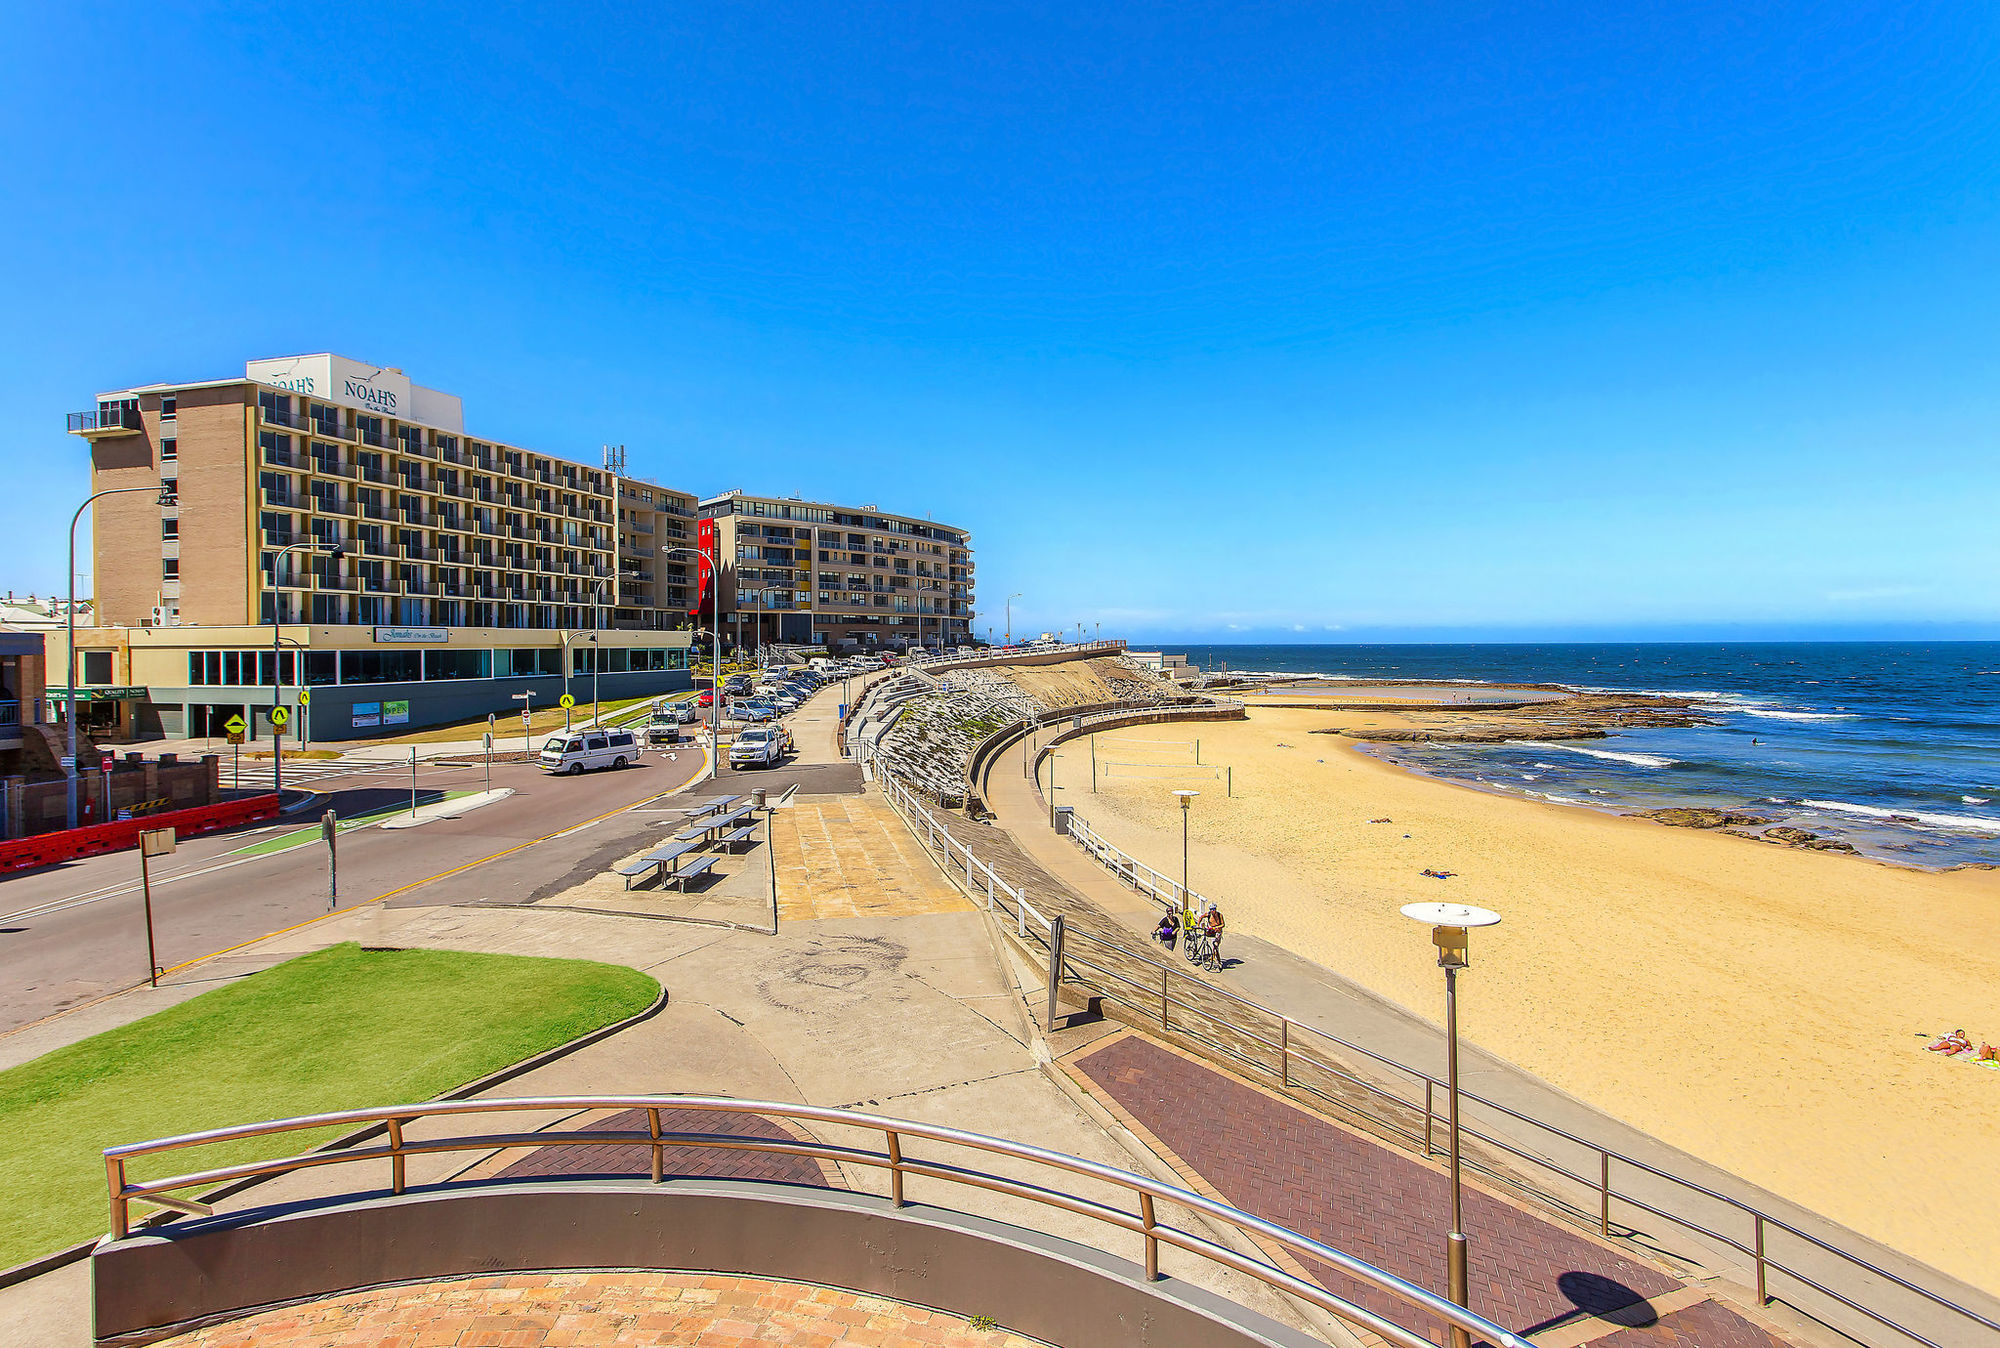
x: 347, y: 506
x: 845, y: 577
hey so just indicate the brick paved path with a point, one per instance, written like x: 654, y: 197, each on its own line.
x: 548, y: 1310
x: 1292, y: 1167
x: 579, y: 1161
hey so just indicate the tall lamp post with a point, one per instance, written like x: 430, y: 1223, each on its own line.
x: 1449, y: 923
x: 715, y: 638
x: 1186, y: 799
x: 166, y: 498
x: 1010, y: 617
x: 334, y: 552
x: 596, y: 651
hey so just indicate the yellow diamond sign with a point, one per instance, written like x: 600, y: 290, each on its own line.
x: 234, y: 725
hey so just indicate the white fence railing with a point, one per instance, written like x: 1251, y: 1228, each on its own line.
x: 937, y: 840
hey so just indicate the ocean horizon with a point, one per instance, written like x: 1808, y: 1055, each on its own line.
x: 1891, y: 746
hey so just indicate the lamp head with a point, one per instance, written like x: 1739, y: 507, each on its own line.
x: 1187, y: 797
x: 1449, y: 924
x: 334, y: 551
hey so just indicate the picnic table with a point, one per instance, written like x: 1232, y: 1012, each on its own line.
x: 666, y: 859
x: 709, y: 826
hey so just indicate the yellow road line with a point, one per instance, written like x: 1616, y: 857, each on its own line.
x: 429, y: 879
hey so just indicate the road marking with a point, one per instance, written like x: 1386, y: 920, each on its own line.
x: 428, y: 880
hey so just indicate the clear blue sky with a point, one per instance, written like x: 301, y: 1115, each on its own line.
x: 1246, y: 321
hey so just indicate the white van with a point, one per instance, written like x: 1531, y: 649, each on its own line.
x: 589, y: 749
x: 822, y: 665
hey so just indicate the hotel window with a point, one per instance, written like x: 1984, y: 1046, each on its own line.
x: 169, y: 406
x: 170, y: 569
x: 170, y: 448
x: 170, y: 529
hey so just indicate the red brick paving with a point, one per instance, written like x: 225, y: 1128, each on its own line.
x: 582, y: 1161
x: 1294, y: 1168
x: 1702, y: 1325
x: 565, y: 1310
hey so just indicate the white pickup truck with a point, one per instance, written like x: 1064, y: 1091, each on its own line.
x: 757, y: 746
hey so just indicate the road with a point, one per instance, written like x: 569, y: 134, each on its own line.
x: 74, y: 932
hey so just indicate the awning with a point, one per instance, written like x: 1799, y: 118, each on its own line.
x: 93, y: 694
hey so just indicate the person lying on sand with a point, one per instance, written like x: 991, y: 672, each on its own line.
x: 1955, y: 1042
x: 1439, y: 875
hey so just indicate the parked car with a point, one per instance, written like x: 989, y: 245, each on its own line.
x: 756, y: 711
x: 684, y: 713
x: 572, y: 754
x: 757, y: 747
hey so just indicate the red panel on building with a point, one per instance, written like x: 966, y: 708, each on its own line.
x: 704, y: 566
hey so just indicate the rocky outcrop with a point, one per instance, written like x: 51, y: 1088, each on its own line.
x: 1696, y: 817
x: 1580, y: 716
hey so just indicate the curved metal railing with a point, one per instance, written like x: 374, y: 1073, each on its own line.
x: 1142, y: 1218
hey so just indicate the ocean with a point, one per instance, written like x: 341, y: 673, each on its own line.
x: 1894, y: 747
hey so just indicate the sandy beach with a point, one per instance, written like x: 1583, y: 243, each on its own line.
x: 1762, y: 1007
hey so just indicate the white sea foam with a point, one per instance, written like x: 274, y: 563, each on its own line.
x: 1975, y: 800
x: 1964, y: 821
x: 1770, y: 715
x: 1637, y: 760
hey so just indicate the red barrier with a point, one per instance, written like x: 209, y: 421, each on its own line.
x: 45, y: 849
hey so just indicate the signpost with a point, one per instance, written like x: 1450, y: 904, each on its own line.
x: 155, y: 842
x: 413, y: 781
x: 234, y: 725
x: 305, y: 721
x: 328, y: 825
x: 489, y: 758
x: 527, y: 701
x: 278, y: 718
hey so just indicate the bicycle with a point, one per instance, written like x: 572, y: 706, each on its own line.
x: 1204, y: 949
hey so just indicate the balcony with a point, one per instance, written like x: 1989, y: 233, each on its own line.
x: 330, y: 430
x: 282, y: 500
x: 421, y: 518
x: 327, y: 505
x: 333, y: 468
x: 106, y: 422
x: 381, y: 475
x: 278, y: 416
x: 381, y: 585
x: 375, y: 438
x: 283, y: 458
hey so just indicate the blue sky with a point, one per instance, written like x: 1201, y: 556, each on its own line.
x: 1249, y: 321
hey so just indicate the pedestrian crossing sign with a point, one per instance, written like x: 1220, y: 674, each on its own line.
x: 234, y: 725
x: 566, y: 702
x: 279, y: 716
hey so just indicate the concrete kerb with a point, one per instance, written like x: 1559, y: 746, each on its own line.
x: 447, y: 809
x: 48, y: 1263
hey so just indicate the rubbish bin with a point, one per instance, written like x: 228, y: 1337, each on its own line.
x: 1063, y: 812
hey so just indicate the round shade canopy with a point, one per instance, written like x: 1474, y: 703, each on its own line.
x: 1450, y: 915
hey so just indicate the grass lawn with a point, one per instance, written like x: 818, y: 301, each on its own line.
x: 507, y: 725
x: 341, y: 1028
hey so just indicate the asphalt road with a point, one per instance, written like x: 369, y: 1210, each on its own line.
x: 74, y: 932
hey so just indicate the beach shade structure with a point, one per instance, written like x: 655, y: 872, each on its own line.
x: 1450, y: 925
x: 1186, y: 799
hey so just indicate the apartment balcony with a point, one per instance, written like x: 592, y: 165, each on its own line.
x: 417, y: 552
x: 419, y: 587
x: 418, y: 482
x: 378, y: 512
x: 105, y: 423
x: 421, y: 518
x: 284, y: 538
x: 416, y: 448
x: 337, y: 585
x: 327, y: 505
x: 282, y: 500
x: 381, y: 585
x: 334, y: 468
x: 274, y: 416
x: 640, y: 526
x: 487, y: 527
x: 375, y: 438
x: 327, y: 430
x: 283, y: 458
x: 382, y: 476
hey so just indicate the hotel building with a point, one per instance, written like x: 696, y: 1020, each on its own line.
x: 845, y: 577
x: 470, y: 572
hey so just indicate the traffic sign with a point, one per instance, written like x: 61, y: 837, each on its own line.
x: 565, y: 702
x: 279, y: 716
x: 234, y: 725
x: 305, y: 698
x: 68, y: 761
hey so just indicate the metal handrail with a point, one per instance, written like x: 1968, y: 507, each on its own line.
x: 1763, y: 1262
x: 1145, y: 1222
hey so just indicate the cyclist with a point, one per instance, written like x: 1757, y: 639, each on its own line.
x: 1211, y: 926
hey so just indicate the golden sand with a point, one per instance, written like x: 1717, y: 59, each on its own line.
x: 1760, y: 1007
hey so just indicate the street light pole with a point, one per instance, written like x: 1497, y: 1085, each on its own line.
x: 1010, y: 617
x: 334, y: 552
x: 1449, y: 923
x: 715, y: 643
x: 1187, y: 799
x: 166, y: 497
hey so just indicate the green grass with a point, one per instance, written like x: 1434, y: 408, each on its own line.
x: 341, y: 1028
x: 299, y: 837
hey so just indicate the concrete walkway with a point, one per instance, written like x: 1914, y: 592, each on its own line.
x: 902, y: 1008
x: 1054, y: 870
